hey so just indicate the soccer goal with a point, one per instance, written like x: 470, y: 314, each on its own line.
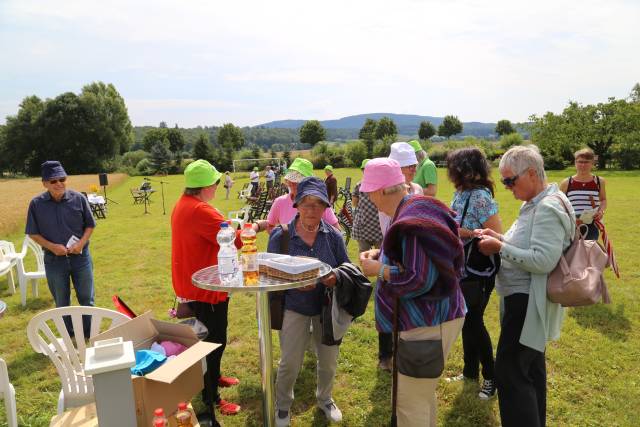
x: 261, y: 163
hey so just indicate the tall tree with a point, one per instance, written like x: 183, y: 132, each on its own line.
x: 386, y: 128
x: 368, y: 135
x: 154, y: 136
x: 202, y: 148
x: 160, y: 158
x: 450, y: 126
x: 504, y: 127
x: 634, y: 96
x: 426, y: 130
x: 312, y: 132
x: 22, y: 137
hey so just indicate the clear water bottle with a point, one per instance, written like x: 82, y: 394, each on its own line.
x: 227, y: 255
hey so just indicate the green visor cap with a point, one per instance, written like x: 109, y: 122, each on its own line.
x: 201, y: 174
x: 415, y: 145
x: 328, y: 168
x: 303, y: 166
x: 364, y: 163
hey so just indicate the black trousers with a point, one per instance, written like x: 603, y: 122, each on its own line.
x: 520, y: 371
x: 476, y: 341
x: 214, y: 317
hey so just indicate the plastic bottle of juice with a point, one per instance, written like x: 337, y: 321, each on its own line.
x: 227, y: 255
x: 159, y: 420
x: 183, y: 416
x: 249, y: 255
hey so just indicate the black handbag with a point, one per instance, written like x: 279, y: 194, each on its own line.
x: 326, y: 319
x: 477, y: 266
x: 182, y: 309
x: 417, y: 359
x: 276, y: 298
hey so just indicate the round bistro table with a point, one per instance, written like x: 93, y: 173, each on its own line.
x: 209, y: 279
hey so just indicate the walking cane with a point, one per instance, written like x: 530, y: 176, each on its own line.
x: 394, y: 387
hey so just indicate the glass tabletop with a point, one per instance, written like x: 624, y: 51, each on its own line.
x: 208, y: 278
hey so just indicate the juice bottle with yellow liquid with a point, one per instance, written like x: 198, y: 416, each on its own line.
x: 249, y: 255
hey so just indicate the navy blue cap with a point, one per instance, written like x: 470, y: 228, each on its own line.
x: 52, y: 169
x: 311, y: 186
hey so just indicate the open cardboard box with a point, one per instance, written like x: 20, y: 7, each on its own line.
x: 176, y: 381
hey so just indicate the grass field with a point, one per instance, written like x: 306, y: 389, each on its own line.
x: 593, y: 371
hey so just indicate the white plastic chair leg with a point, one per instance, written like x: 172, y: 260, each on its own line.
x: 34, y: 287
x: 10, y: 407
x: 61, y: 402
x: 12, y: 283
x: 23, y: 290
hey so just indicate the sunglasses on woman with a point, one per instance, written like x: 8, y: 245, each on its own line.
x: 510, y: 181
x: 55, y: 181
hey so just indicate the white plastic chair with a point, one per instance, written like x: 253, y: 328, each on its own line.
x: 48, y: 335
x: 239, y: 217
x: 8, y: 261
x: 25, y: 277
x: 8, y: 393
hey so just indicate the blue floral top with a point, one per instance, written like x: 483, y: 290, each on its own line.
x: 481, y: 207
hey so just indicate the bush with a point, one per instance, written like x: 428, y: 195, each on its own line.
x: 132, y: 158
x: 508, y: 141
x: 626, y: 156
x: 438, y: 153
x: 553, y: 162
x: 144, y: 167
x: 355, y: 153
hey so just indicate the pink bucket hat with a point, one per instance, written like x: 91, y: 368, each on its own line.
x: 381, y: 173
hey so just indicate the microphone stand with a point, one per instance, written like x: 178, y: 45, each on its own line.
x: 162, y: 183
x: 106, y: 199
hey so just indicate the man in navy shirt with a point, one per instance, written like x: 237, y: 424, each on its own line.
x: 60, y: 221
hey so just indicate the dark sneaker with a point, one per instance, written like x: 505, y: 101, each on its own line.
x: 385, y: 364
x: 488, y: 390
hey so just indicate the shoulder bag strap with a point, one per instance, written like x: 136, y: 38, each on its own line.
x: 284, y: 239
x: 466, y: 207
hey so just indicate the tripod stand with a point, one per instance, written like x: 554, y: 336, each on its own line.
x: 162, y: 183
x: 106, y: 199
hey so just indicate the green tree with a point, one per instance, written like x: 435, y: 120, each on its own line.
x: 202, y: 148
x: 160, y: 158
x: 312, y: 132
x: 504, y: 127
x: 426, y: 130
x: 22, y: 137
x: 386, y: 128
x: 450, y: 126
x: 154, y: 136
x: 368, y: 135
x: 231, y: 139
x: 176, y: 141
x: 286, y: 155
x: 634, y: 96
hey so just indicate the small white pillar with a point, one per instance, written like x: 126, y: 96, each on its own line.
x: 109, y: 362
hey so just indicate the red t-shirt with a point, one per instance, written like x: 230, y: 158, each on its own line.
x: 194, y: 227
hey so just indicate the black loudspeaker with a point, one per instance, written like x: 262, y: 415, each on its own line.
x: 104, y: 180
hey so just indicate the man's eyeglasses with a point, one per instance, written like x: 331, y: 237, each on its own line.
x: 55, y: 181
x: 312, y: 206
x: 510, y: 181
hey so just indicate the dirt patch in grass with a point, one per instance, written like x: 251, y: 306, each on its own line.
x: 15, y: 195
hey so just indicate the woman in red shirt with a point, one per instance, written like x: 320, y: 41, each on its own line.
x: 194, y: 227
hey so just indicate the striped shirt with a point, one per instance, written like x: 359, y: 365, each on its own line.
x: 584, y: 195
x: 412, y: 284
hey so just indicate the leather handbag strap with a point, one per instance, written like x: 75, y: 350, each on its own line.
x: 284, y: 239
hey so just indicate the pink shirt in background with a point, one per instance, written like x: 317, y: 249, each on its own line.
x: 282, y: 212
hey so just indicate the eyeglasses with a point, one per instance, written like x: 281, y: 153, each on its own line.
x: 55, y: 181
x: 310, y: 206
x: 510, y: 181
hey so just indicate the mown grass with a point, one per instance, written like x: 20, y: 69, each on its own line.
x: 593, y: 377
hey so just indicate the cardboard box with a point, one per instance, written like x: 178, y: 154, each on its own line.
x: 176, y: 381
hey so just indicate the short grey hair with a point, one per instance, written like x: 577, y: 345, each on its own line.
x: 421, y: 155
x: 522, y: 157
x: 394, y: 189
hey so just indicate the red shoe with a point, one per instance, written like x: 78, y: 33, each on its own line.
x: 228, y: 408
x: 228, y: 381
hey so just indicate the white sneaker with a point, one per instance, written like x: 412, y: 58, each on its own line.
x: 332, y: 412
x: 283, y: 418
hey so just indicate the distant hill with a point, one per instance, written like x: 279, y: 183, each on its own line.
x: 408, y: 124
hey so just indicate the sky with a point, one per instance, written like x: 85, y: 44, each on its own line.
x: 249, y: 62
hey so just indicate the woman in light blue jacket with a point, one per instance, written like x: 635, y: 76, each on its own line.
x: 530, y: 250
